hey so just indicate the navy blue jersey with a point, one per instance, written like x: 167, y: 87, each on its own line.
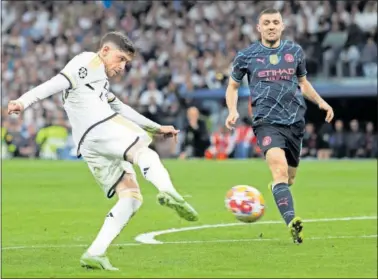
x: 273, y: 81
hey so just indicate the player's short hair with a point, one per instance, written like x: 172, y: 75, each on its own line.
x: 120, y: 40
x: 269, y: 11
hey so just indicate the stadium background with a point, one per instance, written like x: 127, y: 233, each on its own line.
x: 186, y: 48
x: 52, y: 209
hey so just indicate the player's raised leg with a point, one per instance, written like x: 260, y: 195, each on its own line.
x: 124, y: 140
x: 279, y: 168
x: 136, y: 141
x: 129, y: 201
x: 154, y: 171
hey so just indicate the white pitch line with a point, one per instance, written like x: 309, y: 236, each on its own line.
x: 62, y: 246
x: 267, y: 239
x: 153, y: 234
x: 189, y: 242
x: 149, y: 238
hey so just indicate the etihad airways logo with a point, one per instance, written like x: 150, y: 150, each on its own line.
x: 277, y: 74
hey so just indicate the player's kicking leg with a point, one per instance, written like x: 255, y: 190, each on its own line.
x: 134, y: 143
x: 129, y: 201
x: 278, y: 165
x: 154, y: 171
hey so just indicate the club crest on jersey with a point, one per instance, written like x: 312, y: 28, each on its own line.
x: 266, y: 141
x: 274, y: 59
x: 289, y: 58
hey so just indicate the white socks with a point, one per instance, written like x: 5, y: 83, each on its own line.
x: 154, y: 171
x: 116, y: 219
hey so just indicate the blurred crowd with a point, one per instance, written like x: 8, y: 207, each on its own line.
x: 358, y: 140
x: 183, y: 46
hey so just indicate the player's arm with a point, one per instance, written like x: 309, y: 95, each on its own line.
x: 232, y: 95
x: 308, y: 90
x: 310, y: 93
x: 55, y: 85
x: 239, y: 69
x: 126, y: 111
x: 68, y: 78
x: 147, y: 124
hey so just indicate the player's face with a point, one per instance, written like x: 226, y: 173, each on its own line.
x: 116, y: 61
x: 270, y: 27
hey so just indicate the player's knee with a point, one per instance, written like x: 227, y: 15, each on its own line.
x: 134, y: 151
x: 127, y: 184
x: 278, y: 164
x: 146, y: 154
x: 129, y: 188
x: 142, y: 152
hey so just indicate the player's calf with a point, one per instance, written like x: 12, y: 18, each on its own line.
x: 292, y: 171
x: 276, y: 160
x: 154, y: 171
x: 129, y: 202
x: 280, y: 189
x: 291, y: 181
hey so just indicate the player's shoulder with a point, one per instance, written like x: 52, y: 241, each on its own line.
x: 292, y: 45
x: 86, y: 58
x: 245, y: 53
x: 249, y: 50
x: 84, y: 68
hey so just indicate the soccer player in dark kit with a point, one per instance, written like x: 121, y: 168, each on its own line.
x: 276, y: 71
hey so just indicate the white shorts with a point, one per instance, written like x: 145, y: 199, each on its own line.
x: 104, y: 149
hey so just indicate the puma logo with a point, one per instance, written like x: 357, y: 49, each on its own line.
x: 261, y: 60
x: 283, y: 201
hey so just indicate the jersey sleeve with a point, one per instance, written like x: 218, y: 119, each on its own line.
x: 301, y: 68
x: 239, y: 67
x: 77, y: 70
x: 131, y: 114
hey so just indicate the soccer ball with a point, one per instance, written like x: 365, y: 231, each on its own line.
x: 246, y: 203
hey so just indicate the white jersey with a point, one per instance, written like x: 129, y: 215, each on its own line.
x: 86, y: 102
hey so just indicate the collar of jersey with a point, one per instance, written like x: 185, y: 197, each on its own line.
x: 272, y: 48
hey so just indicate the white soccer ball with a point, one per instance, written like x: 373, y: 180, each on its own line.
x: 246, y: 203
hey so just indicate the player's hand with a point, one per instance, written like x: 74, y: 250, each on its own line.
x: 231, y: 119
x: 325, y: 106
x: 15, y: 107
x: 168, y: 132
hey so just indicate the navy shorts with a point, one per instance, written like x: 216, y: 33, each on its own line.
x: 289, y: 138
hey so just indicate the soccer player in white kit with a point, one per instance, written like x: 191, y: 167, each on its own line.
x: 110, y: 136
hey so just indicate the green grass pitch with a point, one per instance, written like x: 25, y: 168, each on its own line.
x: 51, y: 211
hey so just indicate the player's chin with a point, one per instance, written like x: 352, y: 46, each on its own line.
x: 113, y: 73
x: 118, y: 73
x: 272, y: 39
